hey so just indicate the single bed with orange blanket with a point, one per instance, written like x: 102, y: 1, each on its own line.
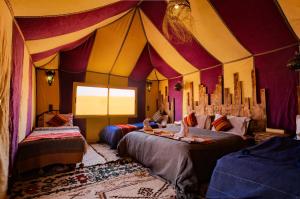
x: 50, y: 145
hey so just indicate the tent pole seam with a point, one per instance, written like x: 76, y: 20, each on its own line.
x: 123, y: 42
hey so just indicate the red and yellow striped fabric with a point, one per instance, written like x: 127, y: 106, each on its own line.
x: 222, y: 124
x: 190, y: 119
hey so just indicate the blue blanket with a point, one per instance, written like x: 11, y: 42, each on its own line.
x: 112, y: 134
x: 268, y: 170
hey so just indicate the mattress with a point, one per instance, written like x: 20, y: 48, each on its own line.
x: 50, y: 145
x: 112, y: 134
x: 268, y: 170
x: 185, y: 165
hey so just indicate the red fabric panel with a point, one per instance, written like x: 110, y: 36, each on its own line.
x: 15, y: 92
x: 73, y: 64
x: 48, y: 53
x: 177, y: 95
x: 257, y: 24
x: 280, y: 84
x: 143, y: 66
x: 141, y: 99
x: 29, y: 110
x: 193, y: 51
x: 44, y: 27
x: 161, y: 65
x: 209, y: 78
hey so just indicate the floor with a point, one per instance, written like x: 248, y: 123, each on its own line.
x: 104, y: 175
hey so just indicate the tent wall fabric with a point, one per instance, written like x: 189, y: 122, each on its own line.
x: 234, y: 32
x: 121, y: 43
x: 22, y: 105
x: 73, y: 64
x: 6, y: 21
x: 209, y: 77
x: 15, y: 91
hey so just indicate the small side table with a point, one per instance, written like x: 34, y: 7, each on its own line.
x: 263, y: 136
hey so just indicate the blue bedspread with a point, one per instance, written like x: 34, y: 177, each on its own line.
x: 112, y: 134
x: 268, y: 170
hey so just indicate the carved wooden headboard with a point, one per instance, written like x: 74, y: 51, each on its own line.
x: 165, y: 104
x: 221, y: 101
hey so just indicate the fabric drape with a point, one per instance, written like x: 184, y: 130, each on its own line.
x: 15, y: 92
x: 73, y: 64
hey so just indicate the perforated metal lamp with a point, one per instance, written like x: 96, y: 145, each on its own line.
x: 50, y: 76
x: 177, y: 21
x: 148, y: 85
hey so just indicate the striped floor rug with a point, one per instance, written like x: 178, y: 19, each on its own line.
x: 103, y: 178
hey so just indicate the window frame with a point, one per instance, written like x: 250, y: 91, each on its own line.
x: 85, y: 84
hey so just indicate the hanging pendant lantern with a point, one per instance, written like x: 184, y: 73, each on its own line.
x: 178, y: 21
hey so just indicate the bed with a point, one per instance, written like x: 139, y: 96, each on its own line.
x: 184, y: 164
x: 112, y: 134
x: 50, y: 145
x: 268, y: 170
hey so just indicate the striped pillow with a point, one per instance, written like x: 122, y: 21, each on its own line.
x: 222, y: 124
x: 190, y: 119
x: 57, y: 120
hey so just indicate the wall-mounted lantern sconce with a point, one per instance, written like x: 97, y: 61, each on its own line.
x: 178, y: 86
x: 50, y: 76
x: 148, y: 85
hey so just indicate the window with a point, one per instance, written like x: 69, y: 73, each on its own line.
x: 121, y: 101
x: 93, y: 100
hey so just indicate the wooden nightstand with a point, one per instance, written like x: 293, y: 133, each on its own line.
x: 262, y: 136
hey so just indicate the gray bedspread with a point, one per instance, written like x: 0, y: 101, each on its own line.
x: 184, y: 164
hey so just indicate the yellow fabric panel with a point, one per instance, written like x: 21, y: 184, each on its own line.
x: 162, y: 85
x: 95, y: 125
x: 24, y: 97
x: 291, y: 9
x: 107, y: 44
x: 6, y: 22
x: 33, y: 113
x: 243, y: 68
x: 195, y: 78
x: 46, y: 94
x: 167, y: 52
x: 155, y: 75
x: 131, y: 50
x: 51, y: 62
x: 41, y: 45
x: 116, y: 81
x: 211, y: 32
x: 151, y: 99
x: 56, y: 7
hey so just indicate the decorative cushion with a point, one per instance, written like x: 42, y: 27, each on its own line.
x: 222, y: 124
x: 201, y: 121
x: 49, y: 116
x: 69, y: 117
x: 240, y: 125
x: 190, y: 119
x: 57, y: 120
x: 157, y: 116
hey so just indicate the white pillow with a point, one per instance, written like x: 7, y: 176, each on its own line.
x: 203, y: 121
x: 240, y: 125
x: 298, y: 127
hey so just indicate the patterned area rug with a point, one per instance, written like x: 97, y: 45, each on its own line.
x: 122, y: 178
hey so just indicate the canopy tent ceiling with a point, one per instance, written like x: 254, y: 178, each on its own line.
x: 130, y: 32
